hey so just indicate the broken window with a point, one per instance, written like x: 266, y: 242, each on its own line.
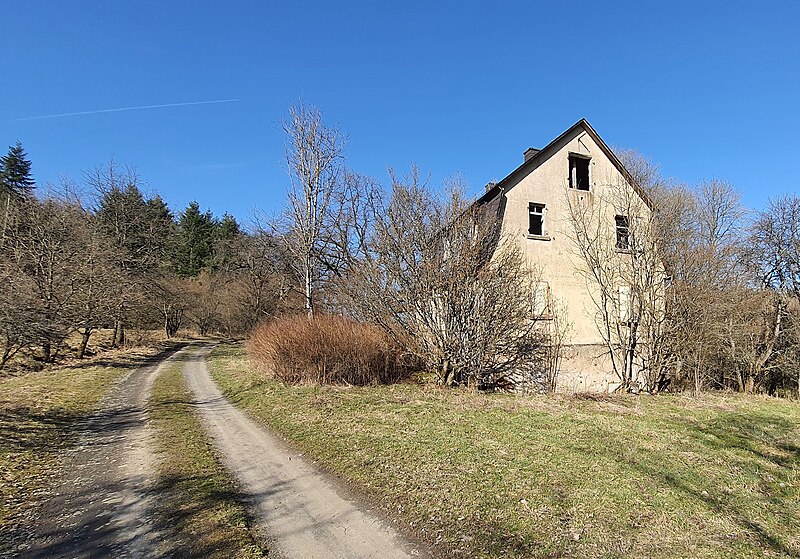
x: 623, y: 232
x: 536, y: 219
x: 579, y: 172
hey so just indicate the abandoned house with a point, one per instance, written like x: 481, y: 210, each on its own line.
x: 537, y: 204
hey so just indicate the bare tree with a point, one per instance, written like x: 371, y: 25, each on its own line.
x: 21, y: 319
x: 98, y: 278
x: 139, y: 230
x: 314, y: 155
x: 258, y: 279
x: 774, y: 250
x: 556, y: 331
x: 206, y: 303
x: 615, y: 236
x: 438, y: 277
x: 48, y: 249
x: 170, y: 294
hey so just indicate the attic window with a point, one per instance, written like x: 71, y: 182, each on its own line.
x: 579, y: 172
x: 623, y: 232
x: 536, y: 219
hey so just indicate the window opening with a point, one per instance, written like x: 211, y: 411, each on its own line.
x: 536, y: 219
x: 579, y: 172
x: 623, y: 232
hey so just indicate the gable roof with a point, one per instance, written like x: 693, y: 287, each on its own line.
x: 547, y: 151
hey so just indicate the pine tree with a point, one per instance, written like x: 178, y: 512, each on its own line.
x: 195, y: 244
x: 139, y: 228
x: 226, y: 237
x: 228, y: 228
x: 15, y: 173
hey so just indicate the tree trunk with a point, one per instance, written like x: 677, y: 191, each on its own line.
x: 750, y: 384
x: 172, y: 320
x: 47, y: 351
x: 740, y: 379
x: 309, y: 299
x: 118, y: 339
x: 6, y: 355
x: 445, y: 373
x: 697, y: 384
x: 84, y: 342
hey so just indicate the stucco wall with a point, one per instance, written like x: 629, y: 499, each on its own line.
x: 555, y: 256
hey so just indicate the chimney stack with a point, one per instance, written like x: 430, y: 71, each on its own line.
x: 530, y: 152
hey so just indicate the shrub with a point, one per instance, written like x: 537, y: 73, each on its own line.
x: 326, y: 350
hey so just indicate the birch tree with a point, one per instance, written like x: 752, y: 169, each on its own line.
x: 314, y: 156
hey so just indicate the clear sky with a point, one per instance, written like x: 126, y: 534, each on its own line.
x: 707, y: 89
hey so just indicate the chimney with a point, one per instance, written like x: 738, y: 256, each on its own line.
x: 530, y: 152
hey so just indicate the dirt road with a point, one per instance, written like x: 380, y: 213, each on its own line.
x: 306, y: 513
x: 103, y: 506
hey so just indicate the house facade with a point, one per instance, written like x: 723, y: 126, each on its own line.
x: 571, y: 196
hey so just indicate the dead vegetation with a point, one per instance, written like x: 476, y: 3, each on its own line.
x: 327, y: 349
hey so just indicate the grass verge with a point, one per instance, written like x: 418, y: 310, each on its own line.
x: 480, y: 475
x: 38, y: 416
x: 197, y: 496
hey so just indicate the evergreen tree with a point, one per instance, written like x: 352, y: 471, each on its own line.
x: 228, y: 228
x: 195, y: 243
x: 226, y: 238
x: 139, y: 228
x: 15, y: 173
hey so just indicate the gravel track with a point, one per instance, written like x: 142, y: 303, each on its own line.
x: 305, y: 513
x: 103, y: 506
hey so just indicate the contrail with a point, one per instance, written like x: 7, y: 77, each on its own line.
x: 143, y: 107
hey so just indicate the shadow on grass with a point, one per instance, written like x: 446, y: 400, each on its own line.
x: 22, y: 428
x: 131, y: 360
x: 25, y: 428
x: 207, y: 520
x: 752, y: 445
x: 758, y: 434
x: 67, y: 515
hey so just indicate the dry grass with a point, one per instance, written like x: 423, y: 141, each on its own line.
x: 199, y: 499
x: 138, y: 342
x: 482, y: 476
x: 326, y: 350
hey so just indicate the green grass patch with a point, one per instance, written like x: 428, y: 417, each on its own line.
x: 198, y: 498
x: 38, y: 416
x: 479, y: 475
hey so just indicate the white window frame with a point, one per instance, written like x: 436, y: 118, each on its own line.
x: 542, y: 212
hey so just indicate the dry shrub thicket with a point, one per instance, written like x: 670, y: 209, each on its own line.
x: 327, y: 349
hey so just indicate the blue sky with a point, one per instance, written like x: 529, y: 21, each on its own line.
x: 707, y: 89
